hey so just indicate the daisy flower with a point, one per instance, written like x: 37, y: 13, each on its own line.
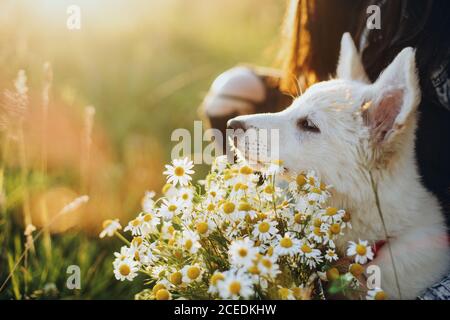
x: 246, y: 209
x: 125, y: 253
x: 205, y: 227
x: 149, y: 223
x: 220, y: 164
x: 376, y: 294
x: 331, y: 255
x: 230, y: 211
x: 179, y: 172
x: 361, y: 250
x: 126, y: 270
x: 147, y: 202
x: 309, y: 254
x: 269, y: 191
x: 332, y: 215
x: 110, y: 227
x: 287, y: 245
x: 214, y: 281
x: 242, y: 252
x: 190, y: 241
x: 275, y: 168
x: 158, y: 272
x: 185, y: 195
x: 268, y: 267
x: 163, y: 294
x: 167, y: 230
x: 134, y: 226
x: 235, y: 285
x: 265, y: 230
x: 191, y: 273
x: 169, y: 208
x: 296, y: 185
x: 215, y: 193
x: 318, y: 195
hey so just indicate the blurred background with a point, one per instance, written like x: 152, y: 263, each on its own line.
x: 117, y: 88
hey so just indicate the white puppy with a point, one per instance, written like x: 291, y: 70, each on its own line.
x: 348, y: 129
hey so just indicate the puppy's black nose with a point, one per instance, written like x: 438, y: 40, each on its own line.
x: 236, y: 124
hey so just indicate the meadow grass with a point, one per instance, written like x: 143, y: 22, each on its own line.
x: 145, y: 67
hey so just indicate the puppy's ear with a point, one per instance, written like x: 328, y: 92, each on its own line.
x: 350, y: 66
x: 394, y: 98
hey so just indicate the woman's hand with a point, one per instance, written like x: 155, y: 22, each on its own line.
x: 235, y: 92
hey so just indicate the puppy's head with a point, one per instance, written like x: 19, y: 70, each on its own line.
x: 335, y: 125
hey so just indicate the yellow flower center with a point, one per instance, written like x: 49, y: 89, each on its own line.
x: 284, y: 293
x: 356, y: 269
x: 202, y: 227
x: 264, y: 227
x: 286, y: 243
x: 301, y: 180
x: 317, y: 223
x: 380, y: 295
x: 269, y: 189
x: 311, y: 181
x: 213, y: 194
x: 235, y: 287
x: 270, y: 251
x: 188, y: 244
x: 361, y: 249
x: 158, y: 287
x: 227, y: 176
x: 253, y: 270
x: 243, y: 252
x: 331, y: 211
x: 148, y: 217
x: 306, y: 248
x: 179, y: 171
x: 185, y: 196
x: 266, y: 263
x: 193, y: 272
x: 162, y: 294
x: 298, y: 218
x: 136, y: 223
x: 106, y: 223
x: 170, y: 229
x: 228, y: 207
x: 216, y: 277
x: 244, y: 206
x: 137, y: 241
x: 246, y: 170
x: 176, y: 278
x: 332, y: 274
x: 335, y: 228
x: 172, y: 208
x: 210, y: 207
x: 316, y: 190
x: 317, y: 231
x: 124, y: 270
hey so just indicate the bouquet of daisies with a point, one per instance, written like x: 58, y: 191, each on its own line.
x: 239, y: 234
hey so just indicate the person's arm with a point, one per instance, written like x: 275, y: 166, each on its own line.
x: 243, y: 90
x: 440, y: 291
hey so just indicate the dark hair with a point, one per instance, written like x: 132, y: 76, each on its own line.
x: 423, y: 25
x: 313, y: 29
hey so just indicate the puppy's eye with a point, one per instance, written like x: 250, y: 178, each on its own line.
x: 307, y: 125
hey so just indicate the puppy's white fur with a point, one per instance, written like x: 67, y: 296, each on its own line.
x: 366, y: 128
